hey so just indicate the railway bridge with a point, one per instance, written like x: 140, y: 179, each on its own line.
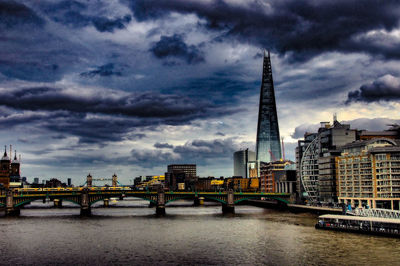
x: 13, y: 200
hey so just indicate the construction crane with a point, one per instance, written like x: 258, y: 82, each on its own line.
x: 272, y: 155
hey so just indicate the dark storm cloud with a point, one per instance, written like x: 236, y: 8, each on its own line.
x: 300, y: 27
x: 13, y: 14
x: 77, y: 14
x: 174, y: 46
x: 386, y: 88
x: 99, y: 116
x: 110, y: 102
x: 103, y: 71
x: 159, y: 145
x: 103, y: 24
x: 372, y: 124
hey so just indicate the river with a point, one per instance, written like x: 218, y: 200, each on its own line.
x: 133, y: 234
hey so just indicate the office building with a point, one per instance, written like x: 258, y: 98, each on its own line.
x: 181, y: 176
x: 317, y: 168
x: 268, y: 147
x: 240, y: 162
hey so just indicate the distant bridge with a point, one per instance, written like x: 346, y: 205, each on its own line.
x: 13, y: 200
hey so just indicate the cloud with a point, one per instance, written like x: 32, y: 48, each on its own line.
x: 372, y: 124
x: 103, y: 71
x: 103, y: 24
x: 111, y: 102
x: 100, y: 115
x: 201, y: 150
x: 300, y: 130
x: 159, y: 145
x: 77, y: 14
x: 386, y: 88
x: 13, y: 14
x: 174, y: 46
x: 302, y: 28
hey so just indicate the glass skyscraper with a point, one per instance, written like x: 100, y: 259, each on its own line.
x: 268, y: 146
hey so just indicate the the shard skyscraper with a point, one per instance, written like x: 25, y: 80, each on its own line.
x: 268, y: 146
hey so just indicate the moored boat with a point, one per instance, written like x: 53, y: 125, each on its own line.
x: 360, y: 224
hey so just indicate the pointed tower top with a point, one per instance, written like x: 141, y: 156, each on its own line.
x: 266, y: 53
x: 15, y: 157
x: 5, y: 157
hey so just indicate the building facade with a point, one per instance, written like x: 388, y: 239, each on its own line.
x: 10, y: 175
x: 368, y: 173
x: 317, y: 171
x: 271, y: 176
x: 240, y: 162
x: 268, y: 146
x: 181, y: 177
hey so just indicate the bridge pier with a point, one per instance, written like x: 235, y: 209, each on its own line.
x: 229, y: 207
x: 57, y: 203
x: 85, y: 206
x: 160, y: 208
x: 11, y: 210
x: 196, y: 201
x: 106, y: 202
x: 201, y: 200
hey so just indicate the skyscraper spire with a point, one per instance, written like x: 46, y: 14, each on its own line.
x: 268, y: 146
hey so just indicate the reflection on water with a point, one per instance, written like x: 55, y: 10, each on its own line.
x: 133, y: 234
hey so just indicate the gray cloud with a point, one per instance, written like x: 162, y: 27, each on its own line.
x: 78, y: 14
x: 13, y: 14
x: 302, y: 28
x: 100, y: 115
x: 159, y: 145
x: 373, y: 124
x: 103, y: 71
x: 174, y: 46
x: 386, y: 88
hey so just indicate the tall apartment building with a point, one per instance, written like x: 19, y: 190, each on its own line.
x: 368, y: 173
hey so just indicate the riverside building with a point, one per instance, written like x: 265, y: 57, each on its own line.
x: 368, y: 173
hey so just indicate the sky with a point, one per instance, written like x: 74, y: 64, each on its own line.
x: 128, y: 87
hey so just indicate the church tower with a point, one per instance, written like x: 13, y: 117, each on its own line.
x: 5, y: 169
x: 15, y: 168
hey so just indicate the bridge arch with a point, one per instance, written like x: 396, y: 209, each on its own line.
x: 189, y: 197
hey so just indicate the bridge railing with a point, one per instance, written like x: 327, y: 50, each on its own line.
x: 381, y: 213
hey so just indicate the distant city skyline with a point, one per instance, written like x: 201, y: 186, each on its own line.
x: 128, y: 87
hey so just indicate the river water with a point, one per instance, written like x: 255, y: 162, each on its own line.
x: 133, y: 234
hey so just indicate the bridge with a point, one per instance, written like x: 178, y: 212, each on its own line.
x: 14, y: 200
